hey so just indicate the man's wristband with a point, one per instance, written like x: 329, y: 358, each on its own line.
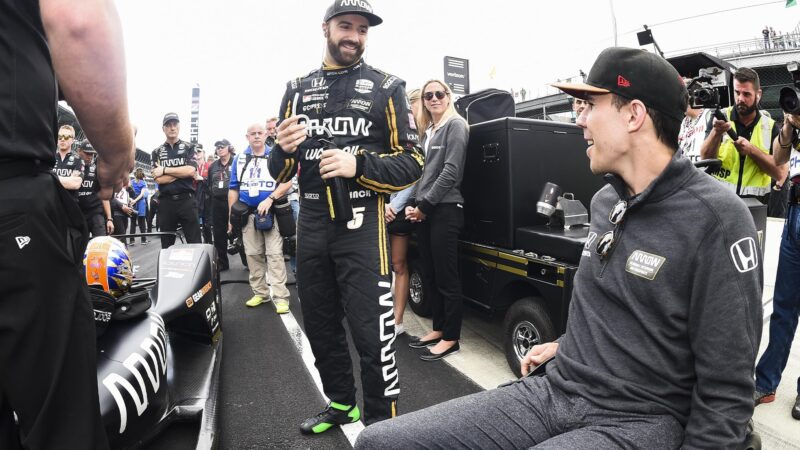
x: 782, y: 145
x: 109, y: 219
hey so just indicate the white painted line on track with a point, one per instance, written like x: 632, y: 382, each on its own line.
x: 351, y: 430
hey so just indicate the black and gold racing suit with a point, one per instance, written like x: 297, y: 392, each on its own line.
x: 343, y: 267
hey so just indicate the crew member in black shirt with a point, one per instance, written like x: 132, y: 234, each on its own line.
x: 96, y: 212
x: 219, y: 176
x: 174, y: 169
x: 48, y: 370
x: 68, y: 166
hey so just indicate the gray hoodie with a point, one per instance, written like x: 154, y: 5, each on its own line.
x: 670, y: 321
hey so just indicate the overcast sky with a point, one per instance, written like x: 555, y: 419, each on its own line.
x: 242, y: 52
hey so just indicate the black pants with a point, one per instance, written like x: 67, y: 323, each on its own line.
x: 343, y: 272
x: 96, y: 222
x: 48, y: 371
x: 151, y: 214
x: 183, y: 212
x: 438, y: 246
x: 141, y: 220
x: 219, y: 209
x: 205, y: 215
x: 121, y: 226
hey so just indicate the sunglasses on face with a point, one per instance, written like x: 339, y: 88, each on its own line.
x: 439, y: 95
x: 64, y: 137
x: 606, y: 241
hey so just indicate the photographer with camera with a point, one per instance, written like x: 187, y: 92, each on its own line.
x: 786, y: 303
x: 747, y: 162
x: 219, y: 176
x: 252, y: 193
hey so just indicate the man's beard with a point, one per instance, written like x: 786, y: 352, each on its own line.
x: 339, y: 57
x: 745, y: 110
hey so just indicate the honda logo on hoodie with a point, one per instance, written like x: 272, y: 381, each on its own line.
x: 745, y: 254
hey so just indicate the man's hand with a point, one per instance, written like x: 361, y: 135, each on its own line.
x: 264, y: 206
x: 721, y: 127
x: 127, y: 210
x: 230, y: 228
x: 389, y: 214
x: 414, y: 214
x: 291, y: 134
x: 537, y: 355
x: 109, y: 227
x: 791, y: 120
x: 743, y: 146
x: 112, y: 174
x: 337, y: 163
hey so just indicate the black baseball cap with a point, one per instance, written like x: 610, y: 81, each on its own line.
x: 361, y: 7
x: 222, y: 143
x: 169, y: 117
x: 636, y: 75
x: 86, y: 146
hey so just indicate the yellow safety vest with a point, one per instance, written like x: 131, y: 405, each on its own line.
x: 754, y: 180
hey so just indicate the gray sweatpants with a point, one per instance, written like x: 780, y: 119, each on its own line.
x: 527, y: 414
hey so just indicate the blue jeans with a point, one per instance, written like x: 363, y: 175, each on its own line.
x: 786, y: 307
x: 295, y: 212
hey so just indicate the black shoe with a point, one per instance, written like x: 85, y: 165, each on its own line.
x: 419, y: 343
x: 429, y: 356
x: 796, y: 408
x: 334, y: 414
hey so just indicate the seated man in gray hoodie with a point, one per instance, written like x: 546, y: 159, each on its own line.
x: 665, y: 318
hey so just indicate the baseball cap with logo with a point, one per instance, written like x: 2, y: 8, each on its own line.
x: 636, y: 75
x: 86, y: 146
x: 361, y: 7
x: 169, y: 117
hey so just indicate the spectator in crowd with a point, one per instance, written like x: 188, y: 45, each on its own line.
x: 786, y: 303
x: 152, y: 210
x: 219, y: 177
x: 68, y: 166
x: 48, y: 379
x: 97, y: 212
x: 252, y: 184
x: 765, y: 32
x: 660, y: 342
x: 139, y: 204
x: 174, y: 169
x: 293, y: 196
x: 695, y: 127
x: 122, y: 212
x: 400, y: 229
x: 747, y: 163
x: 202, y: 195
x: 440, y: 215
x: 343, y: 269
x: 272, y: 131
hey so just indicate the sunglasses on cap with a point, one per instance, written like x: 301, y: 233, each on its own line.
x: 64, y: 137
x: 606, y: 241
x: 439, y: 95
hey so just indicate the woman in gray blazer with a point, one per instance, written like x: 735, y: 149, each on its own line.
x: 439, y: 212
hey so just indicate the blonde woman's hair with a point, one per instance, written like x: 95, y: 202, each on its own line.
x: 415, y: 95
x: 425, y: 118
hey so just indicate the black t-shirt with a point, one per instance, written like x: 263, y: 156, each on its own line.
x: 88, y: 199
x: 67, y: 166
x: 180, y: 154
x: 27, y: 85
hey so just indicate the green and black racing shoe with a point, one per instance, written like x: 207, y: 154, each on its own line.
x: 334, y: 414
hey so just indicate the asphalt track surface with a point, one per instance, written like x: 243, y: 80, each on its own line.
x: 266, y: 389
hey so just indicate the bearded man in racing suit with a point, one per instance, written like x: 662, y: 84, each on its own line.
x: 343, y: 267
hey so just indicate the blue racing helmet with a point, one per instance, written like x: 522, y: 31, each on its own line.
x: 107, y: 265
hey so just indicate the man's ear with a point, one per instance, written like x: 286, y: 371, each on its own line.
x: 638, y: 114
x: 325, y: 30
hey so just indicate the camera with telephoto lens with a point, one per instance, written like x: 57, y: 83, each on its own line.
x: 702, y: 89
x: 789, y: 98
x: 235, y: 245
x: 270, y: 141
